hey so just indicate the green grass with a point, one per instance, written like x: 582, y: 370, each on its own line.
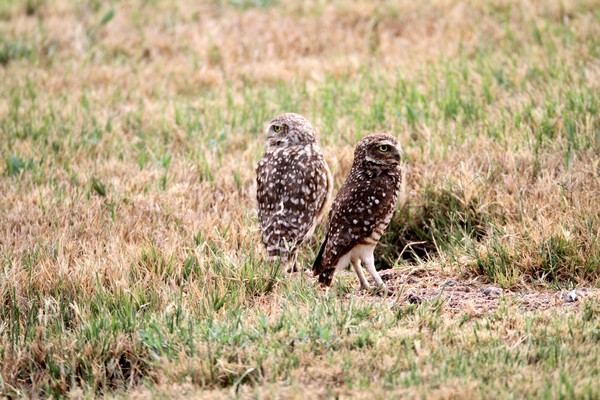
x: 366, y: 345
x: 130, y: 257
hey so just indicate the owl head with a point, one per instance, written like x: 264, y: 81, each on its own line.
x: 379, y: 151
x: 290, y: 129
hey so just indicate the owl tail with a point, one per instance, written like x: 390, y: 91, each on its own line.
x: 281, y: 251
x: 277, y: 256
x: 326, y: 277
x: 317, y: 267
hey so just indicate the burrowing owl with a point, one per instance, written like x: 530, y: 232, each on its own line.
x: 362, y: 210
x: 294, y: 186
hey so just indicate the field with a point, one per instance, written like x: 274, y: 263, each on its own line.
x: 131, y: 263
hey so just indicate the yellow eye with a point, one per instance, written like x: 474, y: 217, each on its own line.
x: 277, y: 128
x: 383, y: 148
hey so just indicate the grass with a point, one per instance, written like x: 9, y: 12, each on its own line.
x: 130, y: 258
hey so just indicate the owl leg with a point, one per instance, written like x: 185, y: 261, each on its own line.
x: 292, y: 265
x: 364, y: 285
x: 369, y: 262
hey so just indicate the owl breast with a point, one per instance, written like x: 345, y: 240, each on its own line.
x: 384, y: 193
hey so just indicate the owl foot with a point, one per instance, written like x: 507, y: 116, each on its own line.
x: 385, y: 291
x: 364, y: 288
x: 381, y: 290
x: 292, y: 269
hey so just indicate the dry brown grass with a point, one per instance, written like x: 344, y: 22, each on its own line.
x: 129, y: 248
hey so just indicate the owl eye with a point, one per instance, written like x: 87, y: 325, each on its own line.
x: 383, y: 148
x: 277, y: 128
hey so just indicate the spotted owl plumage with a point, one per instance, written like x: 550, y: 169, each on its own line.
x: 293, y: 186
x: 362, y: 210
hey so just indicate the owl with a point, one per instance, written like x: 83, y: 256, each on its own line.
x: 362, y: 211
x: 293, y: 187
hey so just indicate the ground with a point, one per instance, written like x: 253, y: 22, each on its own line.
x: 131, y: 264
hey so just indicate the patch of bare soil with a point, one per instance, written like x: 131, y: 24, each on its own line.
x: 476, y: 294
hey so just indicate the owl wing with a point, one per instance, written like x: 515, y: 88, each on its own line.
x: 289, y: 196
x: 358, y: 210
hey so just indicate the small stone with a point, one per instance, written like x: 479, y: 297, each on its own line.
x: 571, y: 297
x: 414, y: 299
x: 449, y: 282
x: 492, y: 291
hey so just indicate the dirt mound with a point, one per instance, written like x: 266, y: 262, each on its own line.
x: 461, y: 294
